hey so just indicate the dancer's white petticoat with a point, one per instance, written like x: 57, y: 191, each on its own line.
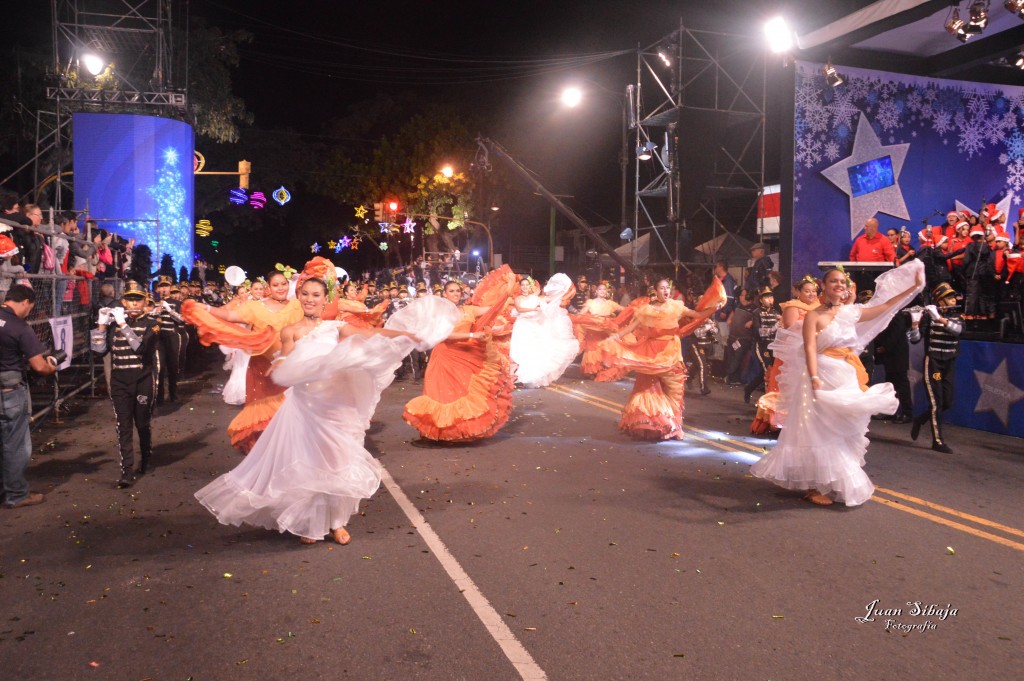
x: 543, y: 344
x: 824, y: 434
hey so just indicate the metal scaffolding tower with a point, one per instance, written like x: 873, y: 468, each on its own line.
x: 698, y: 108
x: 133, y: 39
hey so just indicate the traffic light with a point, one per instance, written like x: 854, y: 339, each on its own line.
x: 244, y: 168
x: 393, y: 206
x: 378, y: 212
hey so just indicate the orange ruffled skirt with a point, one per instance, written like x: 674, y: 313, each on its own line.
x: 654, y: 410
x: 467, y: 393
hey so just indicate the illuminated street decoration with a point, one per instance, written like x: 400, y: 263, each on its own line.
x: 346, y: 242
x: 409, y: 226
x: 238, y: 196
x: 361, y: 212
x: 331, y: 243
x: 355, y: 244
x: 383, y: 245
x: 282, y: 195
x: 338, y: 246
x: 385, y: 227
x: 258, y: 200
x: 204, y: 228
x: 315, y: 248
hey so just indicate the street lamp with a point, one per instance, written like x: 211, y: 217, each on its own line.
x: 573, y: 96
x: 447, y: 171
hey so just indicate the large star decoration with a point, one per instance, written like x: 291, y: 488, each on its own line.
x: 361, y: 212
x: 867, y: 147
x: 998, y: 393
x: 409, y: 226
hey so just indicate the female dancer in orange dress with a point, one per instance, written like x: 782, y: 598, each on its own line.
x: 351, y: 309
x: 793, y: 313
x: 655, y: 407
x: 266, y: 317
x: 467, y: 388
x: 594, y: 323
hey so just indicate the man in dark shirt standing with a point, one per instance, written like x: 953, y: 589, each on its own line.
x: 18, y: 347
x: 762, y: 265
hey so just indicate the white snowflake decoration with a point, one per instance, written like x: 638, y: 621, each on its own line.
x: 888, y: 115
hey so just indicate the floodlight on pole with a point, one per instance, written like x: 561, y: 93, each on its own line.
x: 779, y: 35
x: 572, y: 96
x: 645, y: 152
x: 93, y: 63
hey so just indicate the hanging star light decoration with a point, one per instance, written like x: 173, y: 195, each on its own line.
x: 888, y: 200
x: 355, y: 244
x: 315, y: 248
x: 338, y: 246
x: 409, y: 226
x: 385, y: 227
x: 345, y: 242
x: 361, y: 212
x: 330, y: 244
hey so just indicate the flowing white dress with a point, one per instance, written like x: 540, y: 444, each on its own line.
x: 824, y: 434
x: 543, y: 344
x: 237, y: 363
x: 309, y: 470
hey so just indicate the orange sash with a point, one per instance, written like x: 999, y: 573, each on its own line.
x: 847, y: 355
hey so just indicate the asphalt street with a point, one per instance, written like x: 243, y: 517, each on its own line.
x: 558, y: 549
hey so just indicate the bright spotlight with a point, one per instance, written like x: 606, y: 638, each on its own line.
x: 447, y: 171
x: 779, y: 35
x: 645, y: 152
x: 476, y: 254
x: 572, y: 96
x: 93, y: 64
x: 495, y: 207
x: 957, y: 27
x: 978, y: 12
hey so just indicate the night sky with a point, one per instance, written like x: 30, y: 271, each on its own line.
x: 313, y: 59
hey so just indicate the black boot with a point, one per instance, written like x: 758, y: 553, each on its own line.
x: 940, y: 446
x: 915, y: 429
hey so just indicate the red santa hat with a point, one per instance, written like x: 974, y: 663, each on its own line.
x: 977, y: 229
x: 1020, y: 214
x: 962, y: 223
x: 1001, y: 235
x: 7, y: 247
x: 994, y: 214
x: 953, y: 214
x: 939, y: 236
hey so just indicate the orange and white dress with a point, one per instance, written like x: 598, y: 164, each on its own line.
x: 262, y: 342
x: 594, y: 323
x: 763, y: 420
x: 467, y: 387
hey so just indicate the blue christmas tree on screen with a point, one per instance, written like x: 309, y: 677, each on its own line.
x: 173, y: 233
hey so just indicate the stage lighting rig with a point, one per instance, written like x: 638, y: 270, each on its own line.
x: 832, y: 76
x: 1015, y: 7
x: 645, y: 152
x: 955, y: 26
x: 978, y: 13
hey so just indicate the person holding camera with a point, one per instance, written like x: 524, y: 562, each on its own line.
x: 130, y: 336
x: 20, y: 350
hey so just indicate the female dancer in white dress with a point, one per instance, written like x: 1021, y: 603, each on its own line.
x: 825, y: 405
x: 309, y: 470
x: 236, y: 361
x: 543, y: 343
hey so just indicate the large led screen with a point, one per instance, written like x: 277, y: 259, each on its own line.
x: 134, y: 173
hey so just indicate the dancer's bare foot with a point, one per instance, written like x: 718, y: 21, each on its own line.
x: 341, y: 536
x: 307, y: 540
x: 816, y: 497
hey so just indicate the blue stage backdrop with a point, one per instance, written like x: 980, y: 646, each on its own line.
x: 138, y: 170
x: 898, y: 148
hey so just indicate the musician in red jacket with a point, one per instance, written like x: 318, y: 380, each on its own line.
x: 872, y: 246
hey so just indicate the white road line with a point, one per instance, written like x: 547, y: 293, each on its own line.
x: 510, y: 645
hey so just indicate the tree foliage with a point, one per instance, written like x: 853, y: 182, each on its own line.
x: 212, y: 55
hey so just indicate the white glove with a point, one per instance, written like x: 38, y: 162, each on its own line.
x: 118, y: 313
x: 104, y: 316
x: 933, y: 311
x: 915, y: 316
x: 166, y: 305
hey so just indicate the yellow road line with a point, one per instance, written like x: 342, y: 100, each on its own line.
x: 715, y: 440
x: 889, y: 503
x: 951, y: 511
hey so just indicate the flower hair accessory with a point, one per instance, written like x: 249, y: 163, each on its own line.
x: 287, y: 271
x: 849, y: 282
